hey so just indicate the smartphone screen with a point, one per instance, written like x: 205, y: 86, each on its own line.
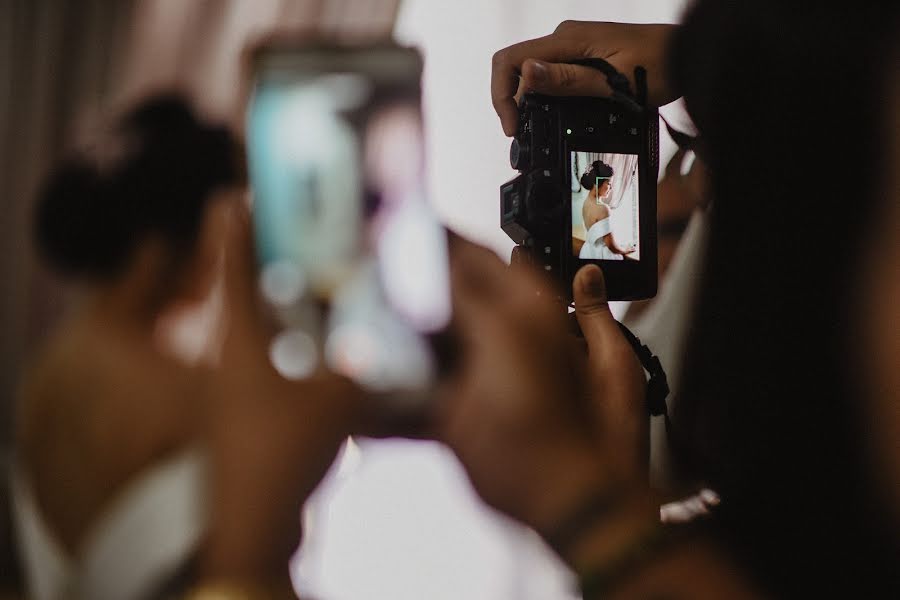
x: 352, y: 259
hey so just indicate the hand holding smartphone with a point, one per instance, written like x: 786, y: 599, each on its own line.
x: 352, y: 259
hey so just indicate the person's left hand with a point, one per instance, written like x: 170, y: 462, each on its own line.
x: 516, y: 414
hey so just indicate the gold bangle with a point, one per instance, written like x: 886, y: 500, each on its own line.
x: 223, y: 589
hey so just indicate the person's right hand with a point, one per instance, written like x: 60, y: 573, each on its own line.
x: 539, y: 65
x: 270, y: 440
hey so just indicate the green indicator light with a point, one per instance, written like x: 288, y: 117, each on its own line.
x: 568, y: 132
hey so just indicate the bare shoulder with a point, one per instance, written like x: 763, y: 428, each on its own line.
x: 93, y: 413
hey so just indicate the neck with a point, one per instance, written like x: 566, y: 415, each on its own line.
x: 135, y: 300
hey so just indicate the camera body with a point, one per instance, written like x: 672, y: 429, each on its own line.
x: 564, y: 144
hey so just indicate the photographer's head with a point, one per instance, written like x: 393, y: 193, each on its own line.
x: 141, y: 199
x: 768, y: 82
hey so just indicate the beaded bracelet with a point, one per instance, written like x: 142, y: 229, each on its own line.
x: 239, y: 590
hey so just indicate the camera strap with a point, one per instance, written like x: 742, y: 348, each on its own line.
x: 620, y: 85
x: 657, y: 382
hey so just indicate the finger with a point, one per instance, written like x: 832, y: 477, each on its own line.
x: 591, y: 307
x: 562, y: 79
x: 620, y: 408
x: 507, y: 67
x: 475, y: 268
x: 475, y: 275
x: 530, y: 303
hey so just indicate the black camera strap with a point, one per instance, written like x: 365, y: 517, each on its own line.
x: 620, y: 85
x: 657, y: 382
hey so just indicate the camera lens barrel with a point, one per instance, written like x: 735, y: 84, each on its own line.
x: 519, y: 155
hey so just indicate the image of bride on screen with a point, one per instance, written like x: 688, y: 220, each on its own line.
x: 600, y: 241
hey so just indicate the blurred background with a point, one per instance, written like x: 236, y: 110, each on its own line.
x: 395, y: 519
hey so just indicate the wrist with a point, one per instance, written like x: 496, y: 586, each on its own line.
x: 616, y: 527
x: 590, y: 512
x: 562, y: 483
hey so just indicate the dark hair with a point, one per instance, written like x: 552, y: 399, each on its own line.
x: 598, y: 169
x: 768, y: 411
x: 91, y: 215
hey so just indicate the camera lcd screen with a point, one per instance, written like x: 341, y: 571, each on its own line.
x: 605, y: 206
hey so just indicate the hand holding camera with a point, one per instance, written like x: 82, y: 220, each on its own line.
x: 536, y: 427
x: 542, y: 65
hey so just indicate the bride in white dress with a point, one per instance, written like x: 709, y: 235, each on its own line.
x: 138, y: 475
x: 600, y: 244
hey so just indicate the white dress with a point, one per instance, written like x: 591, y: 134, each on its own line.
x: 593, y: 247
x: 146, y: 537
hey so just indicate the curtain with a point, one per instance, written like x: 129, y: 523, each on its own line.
x: 624, y: 168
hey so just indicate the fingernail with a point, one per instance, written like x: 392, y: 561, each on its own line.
x: 592, y: 284
x: 539, y: 72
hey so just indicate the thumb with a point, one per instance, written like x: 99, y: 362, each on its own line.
x: 560, y: 79
x: 607, y: 347
x: 591, y: 308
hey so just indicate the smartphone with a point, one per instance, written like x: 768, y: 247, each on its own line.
x: 352, y: 259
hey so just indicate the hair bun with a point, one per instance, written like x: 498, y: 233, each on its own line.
x: 163, y: 165
x: 73, y: 228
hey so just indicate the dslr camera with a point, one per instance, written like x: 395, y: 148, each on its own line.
x: 586, y: 190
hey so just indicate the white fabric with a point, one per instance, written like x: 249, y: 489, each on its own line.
x: 148, y: 534
x: 665, y: 326
x: 594, y: 247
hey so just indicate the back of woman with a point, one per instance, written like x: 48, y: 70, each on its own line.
x: 108, y: 417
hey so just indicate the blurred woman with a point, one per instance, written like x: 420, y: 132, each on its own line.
x: 138, y: 474
x: 108, y: 421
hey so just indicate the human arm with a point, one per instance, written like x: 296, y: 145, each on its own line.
x: 270, y: 442
x: 610, y: 242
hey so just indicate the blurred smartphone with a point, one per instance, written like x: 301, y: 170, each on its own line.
x: 352, y: 259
